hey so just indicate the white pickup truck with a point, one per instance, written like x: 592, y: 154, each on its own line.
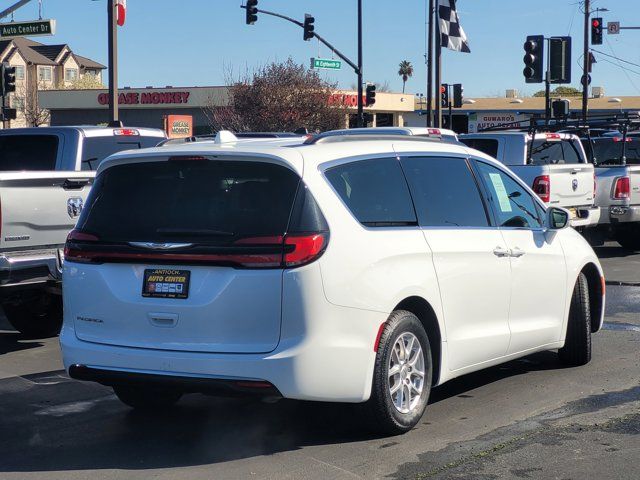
x: 553, y: 164
x: 45, y: 176
x: 618, y: 188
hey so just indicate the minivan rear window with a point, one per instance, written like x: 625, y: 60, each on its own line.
x: 28, y: 152
x: 199, y: 201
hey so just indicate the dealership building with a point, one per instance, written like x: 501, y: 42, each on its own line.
x: 148, y: 107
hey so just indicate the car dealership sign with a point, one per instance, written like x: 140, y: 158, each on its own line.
x: 480, y: 121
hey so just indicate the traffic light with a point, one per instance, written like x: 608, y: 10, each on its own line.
x: 560, y: 60
x: 252, y: 12
x: 444, y: 95
x: 308, y: 27
x: 370, y: 96
x: 534, y: 59
x: 8, y: 79
x: 596, y: 31
x: 458, y: 95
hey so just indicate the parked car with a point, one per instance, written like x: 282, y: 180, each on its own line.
x: 428, y: 132
x: 554, y: 165
x: 356, y: 269
x: 45, y: 176
x: 618, y: 188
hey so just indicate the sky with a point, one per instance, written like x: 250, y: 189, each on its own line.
x: 200, y: 42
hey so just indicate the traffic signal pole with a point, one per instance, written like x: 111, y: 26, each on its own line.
x: 114, y: 120
x: 356, y: 68
x: 585, y: 62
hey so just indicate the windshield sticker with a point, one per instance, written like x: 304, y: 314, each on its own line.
x: 501, y: 192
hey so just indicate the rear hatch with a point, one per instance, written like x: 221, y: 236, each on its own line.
x: 571, y: 178
x: 39, y: 205
x: 188, y: 254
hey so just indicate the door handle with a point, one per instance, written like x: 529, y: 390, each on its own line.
x: 75, y: 183
x: 517, y: 253
x: 501, y: 252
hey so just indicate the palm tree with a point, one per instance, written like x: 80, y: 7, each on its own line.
x: 405, y: 71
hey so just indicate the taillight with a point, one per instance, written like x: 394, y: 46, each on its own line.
x: 622, y: 188
x: 126, y: 132
x: 306, y: 248
x: 542, y: 187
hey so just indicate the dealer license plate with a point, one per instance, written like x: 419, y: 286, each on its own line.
x: 166, y: 283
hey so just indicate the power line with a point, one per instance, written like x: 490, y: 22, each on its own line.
x: 614, y: 57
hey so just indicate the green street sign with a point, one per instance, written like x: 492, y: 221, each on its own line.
x: 326, y: 63
x: 27, y: 29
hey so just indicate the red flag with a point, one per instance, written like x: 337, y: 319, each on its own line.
x: 121, y: 12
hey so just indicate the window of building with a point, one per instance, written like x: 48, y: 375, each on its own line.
x: 512, y: 204
x: 19, y: 72
x: 375, y: 191
x: 70, y: 74
x: 17, y: 103
x: 445, y: 192
x: 44, y: 74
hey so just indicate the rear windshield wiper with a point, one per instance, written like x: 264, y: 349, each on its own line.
x: 170, y: 232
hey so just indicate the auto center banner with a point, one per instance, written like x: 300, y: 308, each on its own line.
x: 479, y: 121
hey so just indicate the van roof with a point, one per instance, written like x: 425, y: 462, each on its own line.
x: 86, y: 130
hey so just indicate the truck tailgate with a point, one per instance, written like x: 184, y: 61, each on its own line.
x: 571, y: 185
x: 38, y: 209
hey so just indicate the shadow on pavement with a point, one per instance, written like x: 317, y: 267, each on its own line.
x: 51, y: 423
x: 12, y: 341
x: 613, y: 251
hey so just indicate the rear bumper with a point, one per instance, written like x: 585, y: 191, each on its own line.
x: 624, y: 214
x: 29, y: 268
x: 587, y: 217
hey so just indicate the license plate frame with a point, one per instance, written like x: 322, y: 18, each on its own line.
x: 166, y: 283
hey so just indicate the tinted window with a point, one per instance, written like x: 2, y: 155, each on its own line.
x: 512, y: 204
x: 485, y: 145
x: 552, y: 152
x: 445, y: 192
x: 375, y: 191
x: 609, y: 150
x: 96, y: 149
x: 28, y: 152
x: 190, y: 201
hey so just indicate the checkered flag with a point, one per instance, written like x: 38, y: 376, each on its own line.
x: 451, y: 34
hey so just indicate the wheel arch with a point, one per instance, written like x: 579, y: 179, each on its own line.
x: 427, y: 316
x: 595, y: 280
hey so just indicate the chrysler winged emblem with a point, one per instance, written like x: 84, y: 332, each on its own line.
x: 574, y: 184
x: 74, y: 206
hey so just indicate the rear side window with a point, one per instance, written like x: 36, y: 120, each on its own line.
x: 28, y: 152
x: 96, y: 149
x: 608, y: 151
x: 445, y: 192
x: 554, y: 152
x: 199, y: 201
x: 485, y: 145
x: 375, y: 191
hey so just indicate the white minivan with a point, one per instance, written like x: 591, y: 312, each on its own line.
x: 351, y: 268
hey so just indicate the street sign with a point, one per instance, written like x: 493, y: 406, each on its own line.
x: 613, y: 28
x: 27, y: 29
x: 326, y: 63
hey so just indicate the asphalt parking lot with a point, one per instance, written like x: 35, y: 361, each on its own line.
x: 530, y: 418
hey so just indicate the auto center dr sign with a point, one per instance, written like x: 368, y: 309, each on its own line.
x: 147, y: 98
x: 479, y: 121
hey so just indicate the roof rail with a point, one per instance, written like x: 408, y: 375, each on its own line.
x: 366, y: 137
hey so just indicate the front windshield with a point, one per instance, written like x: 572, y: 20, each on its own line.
x: 609, y: 150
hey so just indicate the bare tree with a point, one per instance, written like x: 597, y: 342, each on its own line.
x: 29, y: 106
x: 278, y: 97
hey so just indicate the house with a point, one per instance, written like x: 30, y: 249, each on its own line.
x: 42, y: 67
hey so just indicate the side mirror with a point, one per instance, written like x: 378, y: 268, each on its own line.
x: 557, y: 218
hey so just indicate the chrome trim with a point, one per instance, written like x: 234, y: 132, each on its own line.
x: 160, y: 246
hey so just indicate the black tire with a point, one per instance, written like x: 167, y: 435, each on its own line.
x: 628, y: 237
x: 577, y: 345
x: 146, y: 398
x: 381, y: 411
x: 35, y: 317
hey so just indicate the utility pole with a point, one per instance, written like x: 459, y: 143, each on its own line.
x: 585, y: 60
x: 114, y: 120
x: 430, y: 17
x: 360, y: 106
x: 437, y: 122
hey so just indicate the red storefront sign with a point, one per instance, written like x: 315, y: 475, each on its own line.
x: 346, y: 99
x: 178, y: 126
x: 147, y: 98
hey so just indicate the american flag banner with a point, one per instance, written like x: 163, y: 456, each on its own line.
x: 452, y: 35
